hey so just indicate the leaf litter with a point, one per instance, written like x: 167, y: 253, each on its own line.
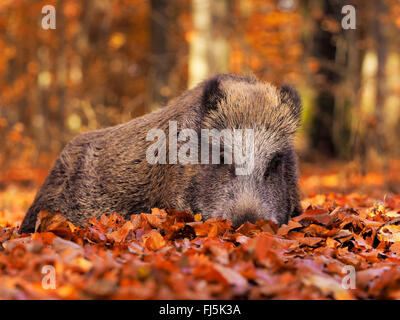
x: 168, y: 254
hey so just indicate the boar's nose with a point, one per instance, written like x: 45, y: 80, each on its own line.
x: 243, y: 217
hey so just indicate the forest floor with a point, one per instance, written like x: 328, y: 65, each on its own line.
x: 346, y: 245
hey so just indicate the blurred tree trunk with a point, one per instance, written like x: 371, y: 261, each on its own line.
x: 209, y: 45
x: 348, y: 121
x: 61, y: 72
x: 353, y: 82
x: 371, y: 140
x: 220, y: 49
x: 381, y: 52
x: 347, y: 94
x: 43, y: 57
x: 325, y: 79
x: 160, y: 54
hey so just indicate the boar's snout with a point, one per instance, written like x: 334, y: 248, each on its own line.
x: 241, y: 217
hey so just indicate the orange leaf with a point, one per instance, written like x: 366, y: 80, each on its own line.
x: 154, y: 241
x: 121, y: 234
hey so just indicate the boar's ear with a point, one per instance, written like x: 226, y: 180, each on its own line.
x: 212, y: 94
x: 291, y: 98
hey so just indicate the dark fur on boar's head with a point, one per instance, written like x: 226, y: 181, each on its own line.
x: 107, y: 170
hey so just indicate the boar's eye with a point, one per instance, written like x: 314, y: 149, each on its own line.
x: 273, y: 165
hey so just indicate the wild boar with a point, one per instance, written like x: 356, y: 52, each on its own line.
x: 109, y: 170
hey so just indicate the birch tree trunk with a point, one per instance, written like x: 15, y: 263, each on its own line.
x: 209, y: 45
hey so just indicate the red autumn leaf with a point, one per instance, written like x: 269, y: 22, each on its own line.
x: 154, y: 241
x: 168, y: 254
x: 121, y: 234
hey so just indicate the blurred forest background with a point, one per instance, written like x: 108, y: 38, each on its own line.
x: 108, y: 61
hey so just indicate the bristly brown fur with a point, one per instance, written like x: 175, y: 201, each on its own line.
x: 106, y: 171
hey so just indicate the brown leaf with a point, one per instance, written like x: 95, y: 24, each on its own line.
x: 50, y: 222
x: 286, y: 228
